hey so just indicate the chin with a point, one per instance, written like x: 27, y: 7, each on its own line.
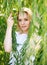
x: 24, y: 30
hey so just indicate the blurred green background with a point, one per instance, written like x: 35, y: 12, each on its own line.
x: 39, y: 9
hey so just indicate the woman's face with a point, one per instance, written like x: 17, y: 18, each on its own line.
x: 23, y: 21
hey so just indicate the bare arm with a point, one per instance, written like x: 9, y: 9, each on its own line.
x: 8, y: 36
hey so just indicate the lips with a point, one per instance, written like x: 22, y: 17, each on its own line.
x: 23, y: 26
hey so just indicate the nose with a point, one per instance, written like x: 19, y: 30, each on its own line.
x: 23, y: 22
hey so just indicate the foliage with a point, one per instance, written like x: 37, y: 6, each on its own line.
x: 39, y: 9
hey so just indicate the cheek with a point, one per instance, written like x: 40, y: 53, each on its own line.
x: 28, y: 23
x: 19, y: 24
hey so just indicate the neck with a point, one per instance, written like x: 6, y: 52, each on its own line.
x: 25, y: 32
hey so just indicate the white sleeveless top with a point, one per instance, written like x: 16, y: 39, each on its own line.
x: 21, y: 38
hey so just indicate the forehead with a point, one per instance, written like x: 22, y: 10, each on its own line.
x: 23, y: 15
